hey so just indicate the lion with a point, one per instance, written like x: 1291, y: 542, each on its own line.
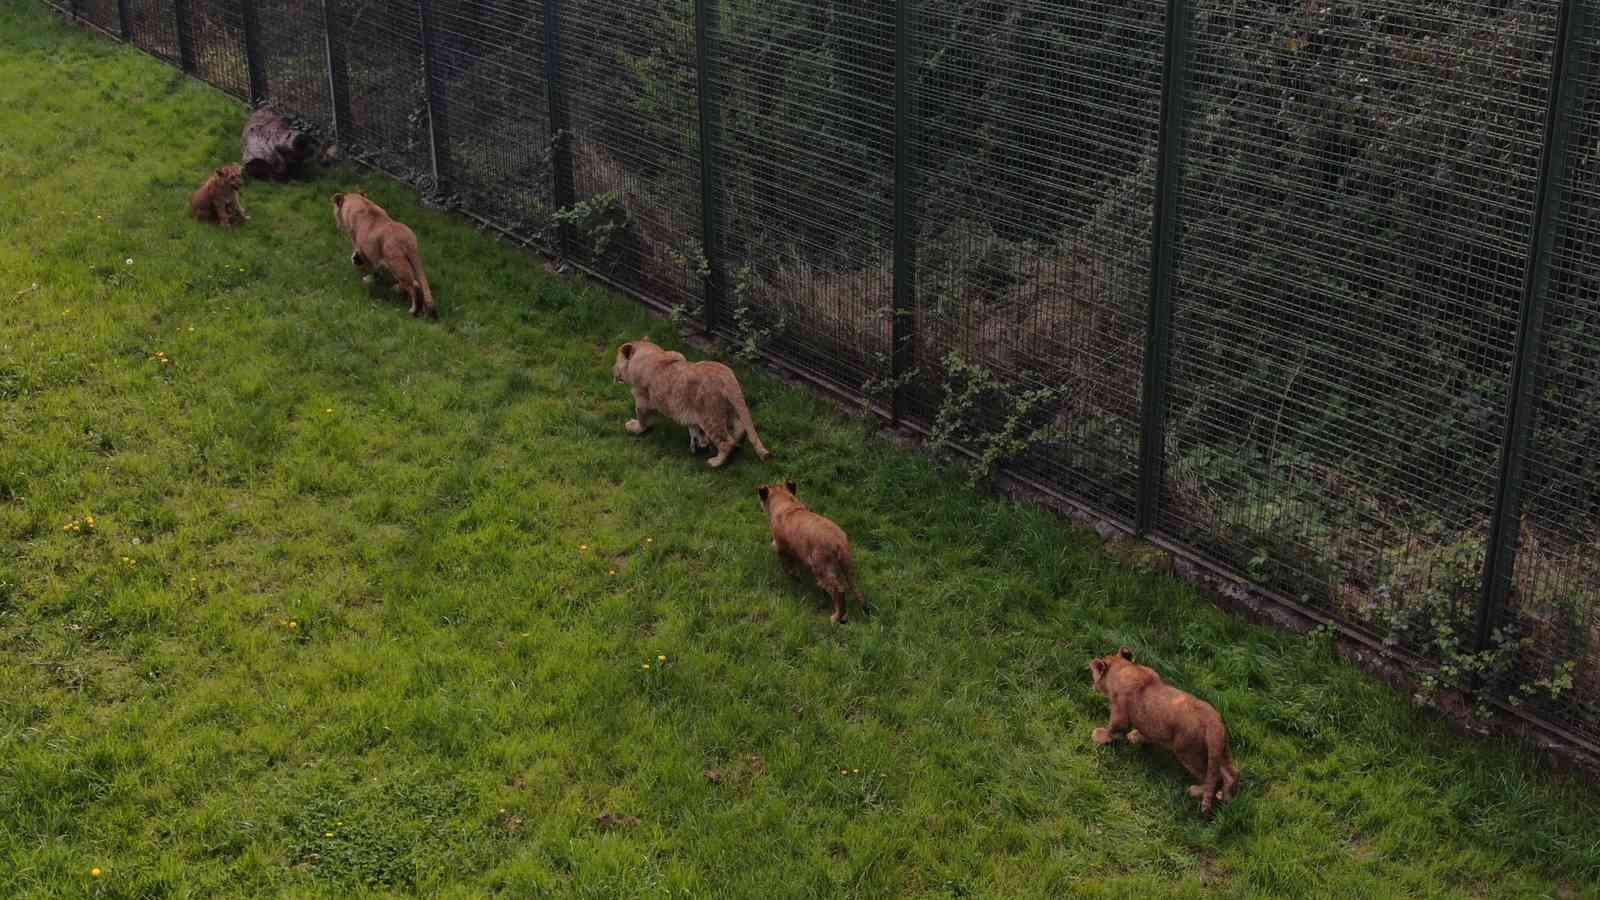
x: 802, y: 536
x: 379, y: 241
x: 217, y: 199
x: 1149, y: 709
x: 705, y: 396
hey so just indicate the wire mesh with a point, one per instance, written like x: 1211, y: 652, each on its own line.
x: 154, y: 27
x: 628, y: 79
x: 1356, y: 210
x: 295, y: 59
x: 1555, y: 591
x: 381, y: 44
x: 218, y: 29
x: 491, y: 73
x: 1036, y: 158
x: 807, y: 99
x: 102, y: 14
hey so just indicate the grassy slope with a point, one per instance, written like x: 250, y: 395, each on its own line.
x: 464, y: 691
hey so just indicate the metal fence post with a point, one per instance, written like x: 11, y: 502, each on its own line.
x: 903, y: 325
x: 562, y: 189
x: 1506, y: 524
x: 706, y: 29
x: 338, y: 75
x: 1163, y: 241
x: 124, y: 20
x: 185, y: 22
x: 254, y: 62
x: 438, y: 104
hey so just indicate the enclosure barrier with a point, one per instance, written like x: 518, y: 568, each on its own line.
x: 1308, y: 290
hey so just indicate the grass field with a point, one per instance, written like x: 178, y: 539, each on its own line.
x: 374, y: 604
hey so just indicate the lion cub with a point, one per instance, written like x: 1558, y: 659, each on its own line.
x: 217, y: 199
x: 380, y: 242
x: 801, y: 536
x: 703, y: 395
x: 1149, y: 709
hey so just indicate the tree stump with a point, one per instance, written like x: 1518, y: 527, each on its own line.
x: 272, y: 148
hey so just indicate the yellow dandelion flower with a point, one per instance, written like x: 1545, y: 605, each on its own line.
x: 583, y: 546
x: 855, y: 771
x: 649, y: 540
x: 646, y: 665
x: 94, y: 872
x: 327, y: 834
x: 844, y: 771
x: 661, y: 659
x: 612, y: 572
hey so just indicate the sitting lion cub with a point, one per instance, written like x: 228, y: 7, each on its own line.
x: 703, y: 395
x: 1157, y: 712
x: 217, y: 199
x: 801, y: 536
x: 381, y: 242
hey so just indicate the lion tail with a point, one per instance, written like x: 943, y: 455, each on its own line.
x: 422, y: 287
x: 742, y: 410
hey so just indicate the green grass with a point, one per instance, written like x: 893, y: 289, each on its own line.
x: 464, y: 690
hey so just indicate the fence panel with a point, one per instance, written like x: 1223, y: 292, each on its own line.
x: 295, y: 59
x: 102, y: 14
x: 628, y: 74
x: 381, y: 44
x: 1355, y: 216
x: 1036, y: 153
x: 1556, y: 581
x: 491, y: 71
x: 218, y: 29
x: 154, y: 26
x: 807, y: 182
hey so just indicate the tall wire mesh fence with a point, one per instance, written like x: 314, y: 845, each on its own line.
x: 1310, y: 290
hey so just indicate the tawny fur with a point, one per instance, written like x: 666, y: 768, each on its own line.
x: 705, y: 396
x: 217, y: 199
x: 803, y: 537
x: 1148, y: 709
x: 379, y: 242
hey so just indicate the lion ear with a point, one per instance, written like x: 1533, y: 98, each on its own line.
x: 338, y: 200
x: 763, y: 491
x: 1126, y: 654
x: 627, y: 351
x: 1098, y: 665
x: 792, y: 489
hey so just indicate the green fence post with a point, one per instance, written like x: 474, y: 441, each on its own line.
x: 706, y: 29
x: 904, y: 323
x: 338, y: 74
x: 438, y: 103
x: 563, y: 191
x: 185, y: 22
x: 1163, y: 249
x: 1505, y: 525
x: 255, y: 63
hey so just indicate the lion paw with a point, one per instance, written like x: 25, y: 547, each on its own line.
x: 1102, y: 736
x: 634, y: 426
x: 1134, y: 737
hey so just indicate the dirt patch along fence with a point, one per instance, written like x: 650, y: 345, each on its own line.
x: 1311, y: 290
